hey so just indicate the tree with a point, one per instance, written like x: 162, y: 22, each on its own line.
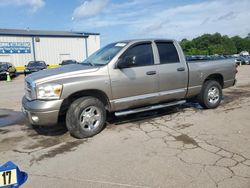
x: 210, y: 44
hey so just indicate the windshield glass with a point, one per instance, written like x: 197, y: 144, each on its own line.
x: 36, y: 63
x: 105, y: 54
x: 3, y: 65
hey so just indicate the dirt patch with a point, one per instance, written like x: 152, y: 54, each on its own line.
x: 43, y: 143
x: 232, y: 95
x: 186, y: 139
x: 4, y: 131
x: 183, y: 126
x: 64, y: 148
x: 233, y: 108
x: 7, y: 143
x: 247, y: 86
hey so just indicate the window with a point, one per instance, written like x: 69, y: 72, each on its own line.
x: 142, y: 54
x: 104, y: 55
x: 167, y: 52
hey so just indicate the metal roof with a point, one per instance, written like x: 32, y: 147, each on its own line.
x: 41, y: 33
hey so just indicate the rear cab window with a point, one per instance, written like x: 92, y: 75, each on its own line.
x: 167, y: 52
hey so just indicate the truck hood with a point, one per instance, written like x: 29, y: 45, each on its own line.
x: 62, y: 72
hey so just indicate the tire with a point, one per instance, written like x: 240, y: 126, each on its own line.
x: 85, y: 117
x: 210, y: 95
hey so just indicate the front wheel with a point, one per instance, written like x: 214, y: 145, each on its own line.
x: 211, y: 94
x: 85, y: 117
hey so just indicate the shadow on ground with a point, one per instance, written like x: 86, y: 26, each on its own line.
x: 145, y: 116
x: 55, y: 130
x: 10, y: 117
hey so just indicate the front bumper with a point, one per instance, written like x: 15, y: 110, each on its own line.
x: 40, y: 112
x: 3, y: 74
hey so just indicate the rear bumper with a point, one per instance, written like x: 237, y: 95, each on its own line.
x: 39, y: 112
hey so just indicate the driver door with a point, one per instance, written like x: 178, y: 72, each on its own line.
x: 137, y: 84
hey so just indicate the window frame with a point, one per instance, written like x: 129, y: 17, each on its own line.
x: 158, y: 52
x: 137, y: 44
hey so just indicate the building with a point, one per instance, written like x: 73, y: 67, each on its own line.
x: 21, y: 46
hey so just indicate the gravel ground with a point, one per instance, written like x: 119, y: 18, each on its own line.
x: 177, y: 147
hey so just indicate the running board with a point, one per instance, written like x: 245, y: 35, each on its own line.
x: 148, y: 108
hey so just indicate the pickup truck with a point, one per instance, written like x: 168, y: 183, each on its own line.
x: 123, y: 78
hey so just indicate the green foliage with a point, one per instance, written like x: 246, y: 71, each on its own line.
x: 210, y: 44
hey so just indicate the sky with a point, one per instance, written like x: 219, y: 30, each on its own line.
x: 127, y: 19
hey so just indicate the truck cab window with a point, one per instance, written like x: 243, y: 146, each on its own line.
x: 141, y: 53
x: 167, y: 52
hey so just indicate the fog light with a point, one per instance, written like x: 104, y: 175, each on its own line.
x: 35, y: 118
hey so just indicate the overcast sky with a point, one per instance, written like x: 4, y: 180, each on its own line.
x: 118, y: 20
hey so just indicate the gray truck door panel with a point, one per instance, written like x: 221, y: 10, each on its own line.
x: 136, y: 85
x: 173, y: 72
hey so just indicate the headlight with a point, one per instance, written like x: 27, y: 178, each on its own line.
x: 49, y: 91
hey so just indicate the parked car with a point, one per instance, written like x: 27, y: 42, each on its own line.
x: 34, y: 66
x: 123, y: 78
x: 7, y: 67
x: 244, y: 60
x: 69, y: 62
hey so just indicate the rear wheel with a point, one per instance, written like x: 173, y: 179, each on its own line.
x: 211, y: 94
x: 85, y: 117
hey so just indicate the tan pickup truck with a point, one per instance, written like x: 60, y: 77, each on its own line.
x: 123, y: 78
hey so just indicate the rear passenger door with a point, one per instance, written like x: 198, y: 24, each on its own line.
x: 173, y: 72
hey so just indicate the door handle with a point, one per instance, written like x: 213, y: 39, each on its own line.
x: 151, y: 72
x: 181, y: 69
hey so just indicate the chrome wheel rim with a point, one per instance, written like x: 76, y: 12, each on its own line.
x: 90, y: 118
x: 213, y: 95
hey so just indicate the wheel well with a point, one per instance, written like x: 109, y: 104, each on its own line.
x: 217, y: 77
x: 92, y: 93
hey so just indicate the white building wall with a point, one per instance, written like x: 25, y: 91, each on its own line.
x: 93, y: 42
x: 17, y: 59
x: 53, y: 50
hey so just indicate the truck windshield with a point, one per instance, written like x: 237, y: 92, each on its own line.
x: 3, y: 65
x: 105, y: 54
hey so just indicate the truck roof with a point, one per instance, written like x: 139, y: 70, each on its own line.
x: 150, y: 39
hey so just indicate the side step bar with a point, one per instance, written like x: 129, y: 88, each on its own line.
x: 148, y: 108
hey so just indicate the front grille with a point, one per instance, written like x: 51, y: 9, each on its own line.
x: 28, y: 90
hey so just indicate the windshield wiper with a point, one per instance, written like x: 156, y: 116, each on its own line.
x: 88, y: 62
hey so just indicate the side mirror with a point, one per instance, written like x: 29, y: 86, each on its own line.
x: 25, y: 65
x: 47, y: 65
x: 126, y: 62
